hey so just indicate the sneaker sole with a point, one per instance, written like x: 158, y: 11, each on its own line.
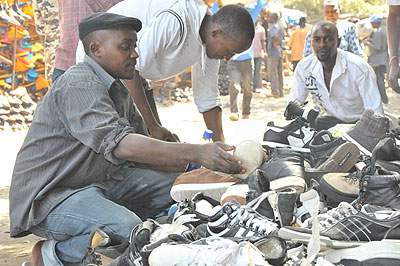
x: 377, y: 251
x: 305, y: 238
x: 342, y: 159
x: 360, y: 147
x: 298, y: 183
x: 187, y: 191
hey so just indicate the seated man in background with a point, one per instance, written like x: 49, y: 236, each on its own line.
x: 87, y: 160
x: 342, y: 84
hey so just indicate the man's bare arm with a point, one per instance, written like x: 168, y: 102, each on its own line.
x: 213, y: 120
x: 393, y: 33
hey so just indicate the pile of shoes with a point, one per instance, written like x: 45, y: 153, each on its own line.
x: 309, y: 198
x: 16, y: 109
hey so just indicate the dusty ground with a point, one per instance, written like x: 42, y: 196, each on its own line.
x: 181, y: 118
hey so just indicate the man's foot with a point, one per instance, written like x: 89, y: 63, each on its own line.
x: 234, y: 117
x: 37, y: 259
x: 245, y: 116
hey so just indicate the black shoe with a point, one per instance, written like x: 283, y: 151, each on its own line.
x: 332, y: 154
x: 345, y: 226
x: 284, y: 169
x: 109, y: 245
x: 387, y: 155
x: 235, y: 220
x: 297, y: 135
x: 380, y: 188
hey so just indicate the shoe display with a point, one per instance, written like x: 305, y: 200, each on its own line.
x: 208, y: 251
x: 368, y: 131
x: 296, y: 134
x: 345, y: 226
x: 235, y: 220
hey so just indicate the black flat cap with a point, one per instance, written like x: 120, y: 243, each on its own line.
x: 102, y: 21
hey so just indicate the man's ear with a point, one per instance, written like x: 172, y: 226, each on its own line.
x: 217, y: 32
x: 338, y: 42
x: 94, y: 48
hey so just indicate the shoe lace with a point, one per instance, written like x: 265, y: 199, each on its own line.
x: 247, y: 217
x: 330, y: 218
x: 370, y: 169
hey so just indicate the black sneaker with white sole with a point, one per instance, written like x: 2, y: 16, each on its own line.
x: 235, y: 220
x: 296, y: 135
x: 345, y: 226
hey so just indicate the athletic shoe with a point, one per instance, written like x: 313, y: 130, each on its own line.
x: 211, y: 183
x: 309, y: 201
x: 235, y: 220
x: 332, y: 154
x: 209, y: 251
x: 284, y: 169
x: 234, y: 117
x: 345, y: 226
x: 338, y: 187
x: 372, y: 253
x: 368, y: 131
x: 387, y: 155
x: 284, y: 204
x: 380, y: 188
x: 297, y: 134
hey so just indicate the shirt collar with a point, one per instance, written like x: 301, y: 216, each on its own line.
x: 105, y: 78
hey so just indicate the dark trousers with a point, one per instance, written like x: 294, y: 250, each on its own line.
x: 380, y: 80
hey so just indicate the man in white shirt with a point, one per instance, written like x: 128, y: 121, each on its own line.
x: 342, y: 84
x: 178, y: 34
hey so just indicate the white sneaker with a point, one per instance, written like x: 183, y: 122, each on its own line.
x: 208, y: 251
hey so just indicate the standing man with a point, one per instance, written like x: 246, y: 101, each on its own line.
x: 393, y: 33
x: 181, y: 34
x: 342, y: 85
x: 259, y: 53
x: 347, y: 31
x: 47, y: 26
x: 379, y: 57
x: 296, y: 42
x: 275, y: 55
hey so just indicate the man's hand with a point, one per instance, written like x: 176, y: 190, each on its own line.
x: 162, y: 133
x: 394, y: 75
x: 214, y: 156
x: 293, y: 109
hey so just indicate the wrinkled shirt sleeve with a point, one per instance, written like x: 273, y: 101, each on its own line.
x: 366, y: 82
x: 298, y: 90
x: 91, y: 117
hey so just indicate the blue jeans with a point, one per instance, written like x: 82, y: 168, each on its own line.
x: 142, y: 193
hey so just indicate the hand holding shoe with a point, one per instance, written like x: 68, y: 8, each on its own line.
x: 214, y: 156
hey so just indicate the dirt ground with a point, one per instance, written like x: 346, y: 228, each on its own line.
x: 181, y: 118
